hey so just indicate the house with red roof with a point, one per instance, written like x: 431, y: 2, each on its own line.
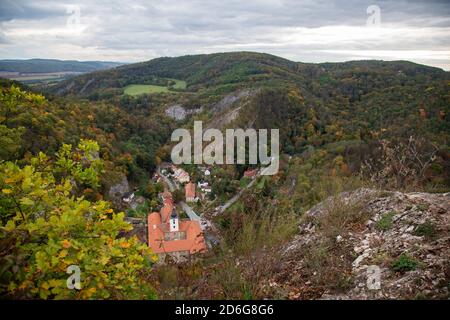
x: 251, y: 173
x: 169, y: 235
x: 166, y: 197
x: 180, y: 175
x: 189, y: 189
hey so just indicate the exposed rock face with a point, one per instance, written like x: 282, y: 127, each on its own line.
x: 230, y: 99
x: 179, y: 113
x: 118, y: 190
x: 63, y: 90
x: 227, y: 109
x: 400, y: 251
x: 137, y: 201
x: 86, y: 86
x: 176, y: 112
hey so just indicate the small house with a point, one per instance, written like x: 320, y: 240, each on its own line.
x: 190, y: 192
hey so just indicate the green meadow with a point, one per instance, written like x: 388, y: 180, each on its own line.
x: 137, y: 89
x: 179, y: 84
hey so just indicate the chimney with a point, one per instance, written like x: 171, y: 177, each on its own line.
x: 173, y: 221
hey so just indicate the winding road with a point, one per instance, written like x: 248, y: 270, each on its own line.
x: 189, y: 211
x: 236, y: 197
x: 206, y: 225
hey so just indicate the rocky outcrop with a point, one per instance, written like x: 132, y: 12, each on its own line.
x: 176, y: 112
x: 179, y: 113
x: 86, y: 86
x: 119, y: 189
x: 369, y: 244
x: 137, y: 201
x: 230, y: 99
x: 228, y: 109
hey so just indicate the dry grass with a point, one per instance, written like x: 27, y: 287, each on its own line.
x: 328, y: 266
x: 326, y: 262
x: 339, y: 217
x: 251, y: 232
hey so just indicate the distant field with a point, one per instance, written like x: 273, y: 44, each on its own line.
x: 179, y: 84
x: 36, y: 77
x: 137, y: 89
x: 33, y: 78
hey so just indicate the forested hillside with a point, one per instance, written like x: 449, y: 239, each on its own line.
x: 331, y: 101
x: 343, y: 126
x: 128, y: 140
x: 345, y: 107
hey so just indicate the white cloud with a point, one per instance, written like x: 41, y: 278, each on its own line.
x: 308, y: 31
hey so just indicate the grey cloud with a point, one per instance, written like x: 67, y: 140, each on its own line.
x: 139, y: 30
x: 29, y: 10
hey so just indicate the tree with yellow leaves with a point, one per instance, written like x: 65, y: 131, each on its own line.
x: 45, y: 228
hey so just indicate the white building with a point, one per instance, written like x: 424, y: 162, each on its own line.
x: 128, y: 197
x: 181, y: 176
x: 202, y: 184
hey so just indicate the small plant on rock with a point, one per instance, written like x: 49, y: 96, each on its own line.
x: 427, y: 230
x: 385, y: 222
x: 404, y: 263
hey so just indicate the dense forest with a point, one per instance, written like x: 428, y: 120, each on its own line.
x: 312, y: 104
x: 62, y: 147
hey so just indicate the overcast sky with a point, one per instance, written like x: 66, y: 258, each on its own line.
x: 300, y: 30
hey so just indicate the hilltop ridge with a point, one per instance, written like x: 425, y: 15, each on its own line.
x: 225, y: 72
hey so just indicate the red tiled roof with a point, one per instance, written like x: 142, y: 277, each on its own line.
x: 166, y: 194
x: 167, y: 198
x: 165, y: 213
x: 158, y: 224
x: 154, y: 232
x: 251, y: 173
x: 194, y: 242
x: 189, y: 190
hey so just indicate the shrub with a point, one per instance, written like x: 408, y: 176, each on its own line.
x: 44, y: 230
x: 341, y: 217
x: 427, y: 230
x: 401, y: 164
x: 404, y: 263
x: 328, y: 266
x: 385, y: 222
x: 422, y: 207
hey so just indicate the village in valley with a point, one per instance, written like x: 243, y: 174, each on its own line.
x: 179, y: 226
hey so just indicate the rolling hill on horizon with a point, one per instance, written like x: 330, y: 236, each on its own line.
x: 48, y: 71
x: 314, y: 105
x: 225, y: 72
x: 37, y: 65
